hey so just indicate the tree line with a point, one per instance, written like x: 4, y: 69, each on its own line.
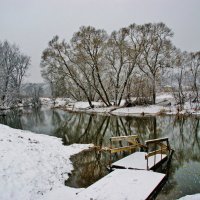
x: 96, y: 66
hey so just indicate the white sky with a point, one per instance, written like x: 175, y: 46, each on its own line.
x: 32, y: 23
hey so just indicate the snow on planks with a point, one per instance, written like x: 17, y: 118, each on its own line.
x: 124, y: 185
x: 137, y: 161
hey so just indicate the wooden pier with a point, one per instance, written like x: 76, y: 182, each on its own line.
x: 124, y: 184
x: 131, y: 177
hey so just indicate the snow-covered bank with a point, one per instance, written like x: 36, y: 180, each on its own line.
x: 32, y: 165
x: 151, y: 109
x: 165, y: 104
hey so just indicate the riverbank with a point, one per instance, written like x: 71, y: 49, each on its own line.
x: 165, y: 105
x: 33, y: 165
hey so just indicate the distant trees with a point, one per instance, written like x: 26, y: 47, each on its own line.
x: 34, y: 91
x: 13, y: 66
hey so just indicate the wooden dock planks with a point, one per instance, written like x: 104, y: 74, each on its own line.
x: 124, y: 185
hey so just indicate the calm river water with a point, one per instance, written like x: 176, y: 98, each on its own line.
x: 89, y: 166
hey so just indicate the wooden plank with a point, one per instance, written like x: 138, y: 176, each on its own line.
x: 124, y: 184
x: 123, y: 138
x: 125, y: 148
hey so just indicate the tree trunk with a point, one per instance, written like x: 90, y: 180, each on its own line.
x: 154, y: 91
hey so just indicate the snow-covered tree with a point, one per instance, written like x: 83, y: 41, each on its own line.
x: 13, y: 66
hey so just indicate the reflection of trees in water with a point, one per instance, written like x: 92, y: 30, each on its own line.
x: 145, y: 127
x: 32, y: 118
x: 89, y: 166
x: 38, y: 117
x: 82, y: 128
x: 196, y: 137
x: 12, y: 119
x: 184, y: 136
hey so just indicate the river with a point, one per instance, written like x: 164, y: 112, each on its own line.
x: 89, y: 166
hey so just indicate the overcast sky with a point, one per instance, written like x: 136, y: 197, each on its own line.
x: 32, y: 23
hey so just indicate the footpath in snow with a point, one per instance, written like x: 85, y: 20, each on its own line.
x: 33, y: 165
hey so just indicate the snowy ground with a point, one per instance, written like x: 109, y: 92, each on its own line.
x: 33, y: 165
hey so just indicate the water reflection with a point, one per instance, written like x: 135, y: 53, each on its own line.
x: 183, y: 134
x: 89, y: 166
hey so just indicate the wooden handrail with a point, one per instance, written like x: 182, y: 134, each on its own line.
x: 153, y: 141
x: 164, y: 148
x: 132, y: 140
x: 123, y: 138
x: 159, y: 151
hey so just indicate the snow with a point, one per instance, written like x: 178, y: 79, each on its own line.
x: 164, y: 96
x: 62, y: 102
x: 137, y: 161
x: 85, y: 105
x: 191, y: 197
x: 32, y: 165
x: 46, y: 101
x: 116, y: 185
x: 63, y: 192
x: 151, y: 109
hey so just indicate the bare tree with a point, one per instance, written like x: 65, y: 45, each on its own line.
x: 88, y: 47
x: 123, y: 50
x: 180, y: 74
x: 157, y: 51
x: 58, y: 56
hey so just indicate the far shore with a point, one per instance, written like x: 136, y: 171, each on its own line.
x: 165, y: 105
